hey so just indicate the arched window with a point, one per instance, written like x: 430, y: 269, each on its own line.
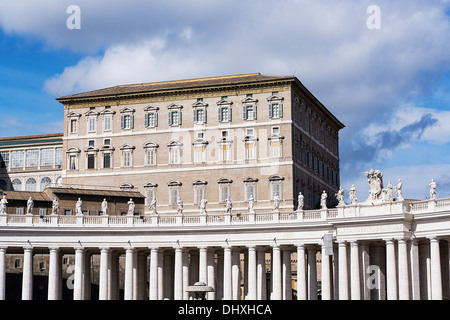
x: 30, y: 184
x: 45, y: 183
x: 16, y: 184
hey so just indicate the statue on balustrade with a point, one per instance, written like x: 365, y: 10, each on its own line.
x: 398, y: 190
x: 251, y: 203
x: 30, y: 205
x: 276, y: 203
x: 153, y: 206
x: 131, y: 207
x: 432, y: 190
x: 352, y: 194
x: 104, y: 207
x: 55, y: 206
x: 3, y: 203
x: 203, y: 204
x: 375, y: 180
x: 78, y: 205
x: 323, y: 200
x: 300, y: 201
x: 340, y: 196
x: 180, y: 206
x: 229, y: 206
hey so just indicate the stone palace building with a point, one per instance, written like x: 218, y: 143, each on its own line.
x: 231, y: 181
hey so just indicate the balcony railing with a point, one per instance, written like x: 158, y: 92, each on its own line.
x: 236, y: 218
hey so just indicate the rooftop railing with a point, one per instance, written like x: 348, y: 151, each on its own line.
x: 363, y: 209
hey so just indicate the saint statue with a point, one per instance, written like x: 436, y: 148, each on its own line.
x: 276, y: 203
x: 300, y: 201
x: 180, y: 206
x: 131, y: 207
x: 30, y: 205
x: 340, y: 196
x: 153, y: 206
x: 78, y: 205
x: 55, y: 207
x: 229, y: 206
x: 104, y: 207
x: 203, y: 204
x: 323, y: 200
x: 398, y: 190
x: 3, y: 203
x: 251, y: 203
x: 352, y: 194
x: 432, y: 190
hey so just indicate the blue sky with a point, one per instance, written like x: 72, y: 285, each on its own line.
x: 389, y: 86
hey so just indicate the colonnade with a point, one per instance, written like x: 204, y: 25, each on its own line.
x: 357, y: 270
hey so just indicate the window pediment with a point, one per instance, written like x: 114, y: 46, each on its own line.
x: 150, y: 185
x: 250, y: 138
x: 200, y: 141
x: 73, y: 150
x: 126, y: 146
x: 275, y: 137
x: 249, y: 100
x: 107, y: 148
x: 199, y: 182
x: 199, y: 104
x: 250, y: 180
x: 127, y: 110
x: 174, y: 106
x: 224, y: 102
x: 151, y: 108
x: 107, y: 111
x: 276, y: 178
x: 91, y: 113
x: 224, y: 180
x: 73, y: 114
x: 151, y: 145
x: 275, y: 98
x: 91, y: 149
x: 174, y: 144
x: 174, y: 183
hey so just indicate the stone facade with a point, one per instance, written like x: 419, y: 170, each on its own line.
x: 236, y: 136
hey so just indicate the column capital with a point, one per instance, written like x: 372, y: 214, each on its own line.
x: 433, y: 239
x: 53, y: 248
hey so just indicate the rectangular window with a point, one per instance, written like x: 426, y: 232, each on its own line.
x: 174, y: 118
x: 199, y: 153
x: 73, y: 162
x: 174, y: 194
x: 275, y: 190
x: 19, y: 210
x: 4, y: 159
x: 107, y: 123
x: 224, y: 114
x: 92, y: 121
x: 91, y: 161
x: 151, y: 120
x: 58, y: 156
x: 67, y: 212
x: 107, y: 142
x: 275, y: 149
x: 107, y: 160
x: 275, y: 110
x: 32, y: 158
x: 73, y: 126
x: 174, y: 155
x: 126, y: 159
x: 249, y: 112
x: 17, y: 158
x: 225, y: 152
x: 250, y: 151
x: 150, y: 157
x: 225, y: 192
x: 249, y: 192
x: 127, y: 121
x: 199, y: 193
x: 199, y: 115
x: 47, y: 157
x: 91, y: 143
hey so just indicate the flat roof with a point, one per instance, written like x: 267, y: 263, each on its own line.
x: 25, y: 195
x: 32, y: 139
x: 93, y: 192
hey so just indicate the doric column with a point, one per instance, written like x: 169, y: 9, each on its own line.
x: 287, y: 274
x: 355, y: 290
x: 103, y: 277
x: 343, y: 271
x: 185, y: 263
x: 261, y: 274
x: 203, y: 269
x: 326, y: 275
x: 153, y: 286
x: 2, y: 273
x: 161, y: 274
x: 210, y: 274
x: 227, y: 274
x: 436, y: 279
x: 128, y: 282
x: 391, y: 273
x: 252, y: 273
x: 415, y: 272
x: 236, y: 274
x: 403, y: 274
x: 178, y: 274
x: 301, y: 273
x: 276, y: 271
x: 27, y: 282
x: 54, y: 274
x: 312, y: 272
x: 78, y: 282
